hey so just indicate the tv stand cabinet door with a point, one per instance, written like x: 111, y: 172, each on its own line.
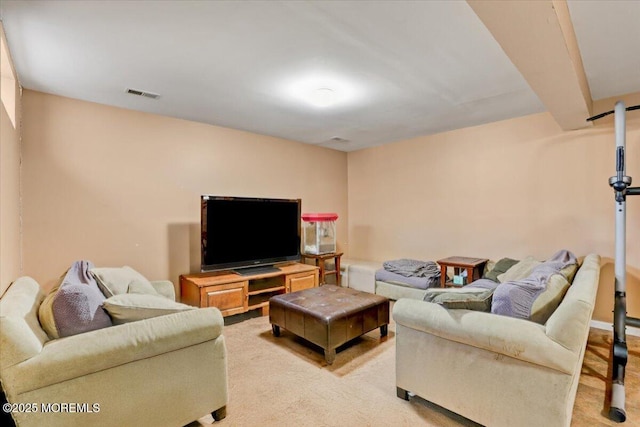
x: 300, y: 281
x: 230, y: 298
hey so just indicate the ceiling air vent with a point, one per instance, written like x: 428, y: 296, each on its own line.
x: 143, y: 93
x: 338, y: 139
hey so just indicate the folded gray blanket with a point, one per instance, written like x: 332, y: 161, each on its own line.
x: 412, y: 268
x: 516, y: 298
x: 413, y: 282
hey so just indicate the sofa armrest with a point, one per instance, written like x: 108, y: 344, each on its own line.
x: 361, y: 275
x: 165, y: 288
x: 78, y: 355
x: 516, y: 338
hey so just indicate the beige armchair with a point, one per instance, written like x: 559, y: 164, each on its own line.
x: 163, y: 371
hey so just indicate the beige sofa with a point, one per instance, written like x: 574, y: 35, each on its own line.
x: 359, y: 274
x: 497, y: 370
x: 167, y: 370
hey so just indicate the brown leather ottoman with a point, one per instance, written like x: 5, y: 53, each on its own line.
x: 329, y: 316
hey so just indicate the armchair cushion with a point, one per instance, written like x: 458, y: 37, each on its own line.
x: 122, y: 280
x: 126, y: 308
x: 165, y: 288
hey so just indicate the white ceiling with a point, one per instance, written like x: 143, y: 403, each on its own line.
x: 407, y: 68
x: 608, y: 34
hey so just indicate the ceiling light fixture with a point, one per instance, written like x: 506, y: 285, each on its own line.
x: 322, y: 90
x: 323, y: 97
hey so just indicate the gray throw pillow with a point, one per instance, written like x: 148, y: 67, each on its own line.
x: 501, y: 267
x: 478, y: 301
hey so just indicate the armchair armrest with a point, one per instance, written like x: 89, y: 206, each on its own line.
x: 78, y: 355
x: 165, y: 288
x: 516, y: 338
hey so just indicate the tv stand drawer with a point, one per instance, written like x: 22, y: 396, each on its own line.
x: 230, y: 298
x: 300, y: 281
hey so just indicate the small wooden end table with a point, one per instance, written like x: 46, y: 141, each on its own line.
x: 473, y: 267
x: 319, y: 261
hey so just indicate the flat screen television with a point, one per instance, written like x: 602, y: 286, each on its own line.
x: 246, y: 234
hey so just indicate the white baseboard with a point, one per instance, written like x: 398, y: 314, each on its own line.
x: 630, y: 330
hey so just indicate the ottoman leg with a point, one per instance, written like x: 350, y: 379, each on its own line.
x: 330, y: 356
x: 383, y: 330
x: 276, y: 330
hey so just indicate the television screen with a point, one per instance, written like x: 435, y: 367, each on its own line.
x: 241, y: 232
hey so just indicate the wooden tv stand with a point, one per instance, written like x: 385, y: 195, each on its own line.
x: 233, y: 293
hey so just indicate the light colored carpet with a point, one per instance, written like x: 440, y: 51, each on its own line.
x: 286, y: 382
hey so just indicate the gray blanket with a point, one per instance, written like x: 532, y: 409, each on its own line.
x: 410, y: 272
x: 77, y: 306
x: 413, y: 282
x: 516, y: 298
x: 412, y: 268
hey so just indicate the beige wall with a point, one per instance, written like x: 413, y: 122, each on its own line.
x: 9, y: 202
x: 10, y: 259
x: 119, y: 187
x: 512, y: 188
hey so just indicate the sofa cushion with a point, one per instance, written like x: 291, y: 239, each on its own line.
x: 122, y: 280
x: 569, y: 272
x: 75, y: 306
x: 488, y: 266
x: 124, y: 308
x: 527, y: 299
x: 549, y: 299
x: 499, y: 268
x: 519, y: 271
x: 478, y: 300
x: 517, y: 296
